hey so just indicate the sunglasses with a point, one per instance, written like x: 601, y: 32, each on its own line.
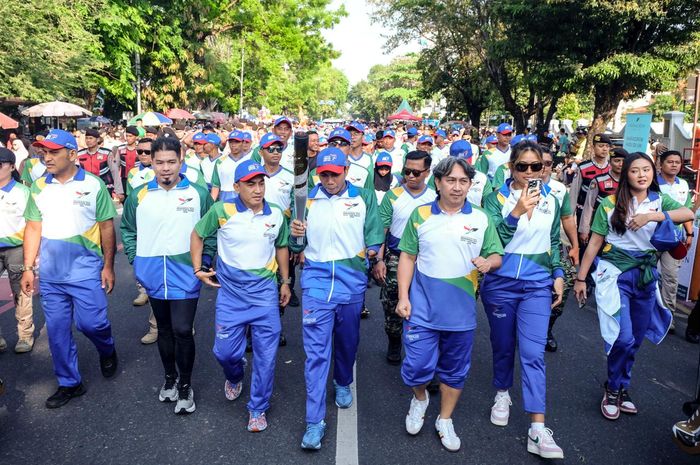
x: 274, y: 149
x: 523, y: 167
x: 339, y: 143
x: 143, y: 152
x: 548, y: 164
x: 415, y: 173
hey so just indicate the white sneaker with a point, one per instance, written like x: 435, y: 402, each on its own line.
x: 416, y: 414
x: 501, y: 409
x: 185, y: 400
x: 542, y: 443
x: 448, y: 437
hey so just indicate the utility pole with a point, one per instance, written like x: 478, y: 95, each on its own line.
x: 137, y: 66
x: 240, y: 101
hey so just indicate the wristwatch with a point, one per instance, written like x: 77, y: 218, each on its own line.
x: 286, y: 281
x: 24, y: 268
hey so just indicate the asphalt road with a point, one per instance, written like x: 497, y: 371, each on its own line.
x: 121, y: 421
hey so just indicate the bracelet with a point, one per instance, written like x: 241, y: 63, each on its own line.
x: 692, y: 234
x: 580, y: 280
x: 31, y: 268
x: 287, y: 281
x: 201, y: 268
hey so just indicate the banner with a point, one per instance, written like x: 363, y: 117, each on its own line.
x: 637, y: 132
x: 685, y: 273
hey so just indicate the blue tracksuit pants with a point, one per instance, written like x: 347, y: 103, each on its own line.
x: 430, y: 351
x: 229, y: 347
x: 328, y: 326
x: 519, y: 308
x: 636, y: 306
x: 86, y: 303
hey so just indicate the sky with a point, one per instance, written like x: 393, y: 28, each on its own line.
x: 359, y: 41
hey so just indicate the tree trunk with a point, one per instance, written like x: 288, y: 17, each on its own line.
x: 550, y: 114
x: 607, y: 98
x: 475, y: 116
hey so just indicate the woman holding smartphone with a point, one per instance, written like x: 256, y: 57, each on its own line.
x: 626, y: 276
x: 518, y: 296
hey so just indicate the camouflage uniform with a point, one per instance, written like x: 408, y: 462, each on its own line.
x: 569, y: 277
x: 389, y: 295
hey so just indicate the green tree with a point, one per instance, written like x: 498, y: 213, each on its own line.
x: 45, y: 51
x: 385, y: 87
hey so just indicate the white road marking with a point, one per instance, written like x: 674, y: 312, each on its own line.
x: 346, y: 432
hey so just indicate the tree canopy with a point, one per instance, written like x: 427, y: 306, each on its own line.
x: 190, y: 52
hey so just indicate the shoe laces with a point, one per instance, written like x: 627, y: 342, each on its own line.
x: 314, y: 428
x: 414, y: 412
x: 183, y: 392
x: 612, y: 397
x: 502, y: 402
x: 447, y: 429
x: 547, y: 436
x: 170, y: 382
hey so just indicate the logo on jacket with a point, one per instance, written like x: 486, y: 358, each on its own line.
x: 183, y: 207
x: 467, y: 235
x: 349, y: 206
x: 80, y: 199
x: 544, y: 207
x: 269, y: 230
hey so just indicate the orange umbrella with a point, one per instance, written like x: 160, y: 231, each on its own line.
x: 7, y: 123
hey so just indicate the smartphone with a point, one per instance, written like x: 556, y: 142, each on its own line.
x: 534, y: 186
x: 207, y: 269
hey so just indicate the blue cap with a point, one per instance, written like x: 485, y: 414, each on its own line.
x: 367, y: 139
x: 58, y: 139
x: 454, y: 132
x: 269, y: 139
x: 424, y: 139
x: 213, y: 139
x: 322, y: 140
x: 532, y: 137
x: 389, y: 133
x: 441, y: 133
x: 283, y: 119
x: 492, y: 139
x: 504, y: 128
x: 248, y: 170
x: 339, y: 133
x: 235, y: 135
x: 199, y: 138
x: 412, y: 131
x: 356, y: 126
x: 384, y: 159
x: 331, y: 159
x: 245, y: 135
x: 516, y: 140
x: 461, y: 149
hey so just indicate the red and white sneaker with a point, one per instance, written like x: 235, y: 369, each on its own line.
x: 610, y: 405
x: 257, y: 422
x: 626, y: 404
x: 233, y: 391
x: 542, y: 443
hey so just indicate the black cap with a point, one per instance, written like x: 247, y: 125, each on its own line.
x: 379, y: 135
x: 133, y: 130
x: 7, y: 156
x: 151, y: 129
x: 602, y: 139
x: 619, y: 152
x: 92, y: 133
x: 167, y: 132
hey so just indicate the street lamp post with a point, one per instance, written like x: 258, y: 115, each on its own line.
x: 137, y: 66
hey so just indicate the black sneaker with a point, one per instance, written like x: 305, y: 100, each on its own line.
x: 610, y: 405
x: 551, y: 345
x: 108, y: 365
x: 364, y: 314
x: 63, y: 395
x: 283, y: 340
x: 294, y: 300
x: 393, y: 351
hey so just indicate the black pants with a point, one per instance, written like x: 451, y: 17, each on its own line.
x: 175, y: 320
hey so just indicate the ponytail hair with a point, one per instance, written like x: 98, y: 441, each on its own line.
x: 623, y: 196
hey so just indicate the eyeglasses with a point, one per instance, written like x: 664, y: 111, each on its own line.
x: 523, y: 167
x: 339, y: 143
x: 548, y: 163
x: 143, y: 152
x: 415, y: 173
x: 274, y: 149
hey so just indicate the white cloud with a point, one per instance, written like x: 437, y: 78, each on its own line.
x: 360, y: 41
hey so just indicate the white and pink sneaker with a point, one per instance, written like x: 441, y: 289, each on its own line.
x: 542, y: 443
